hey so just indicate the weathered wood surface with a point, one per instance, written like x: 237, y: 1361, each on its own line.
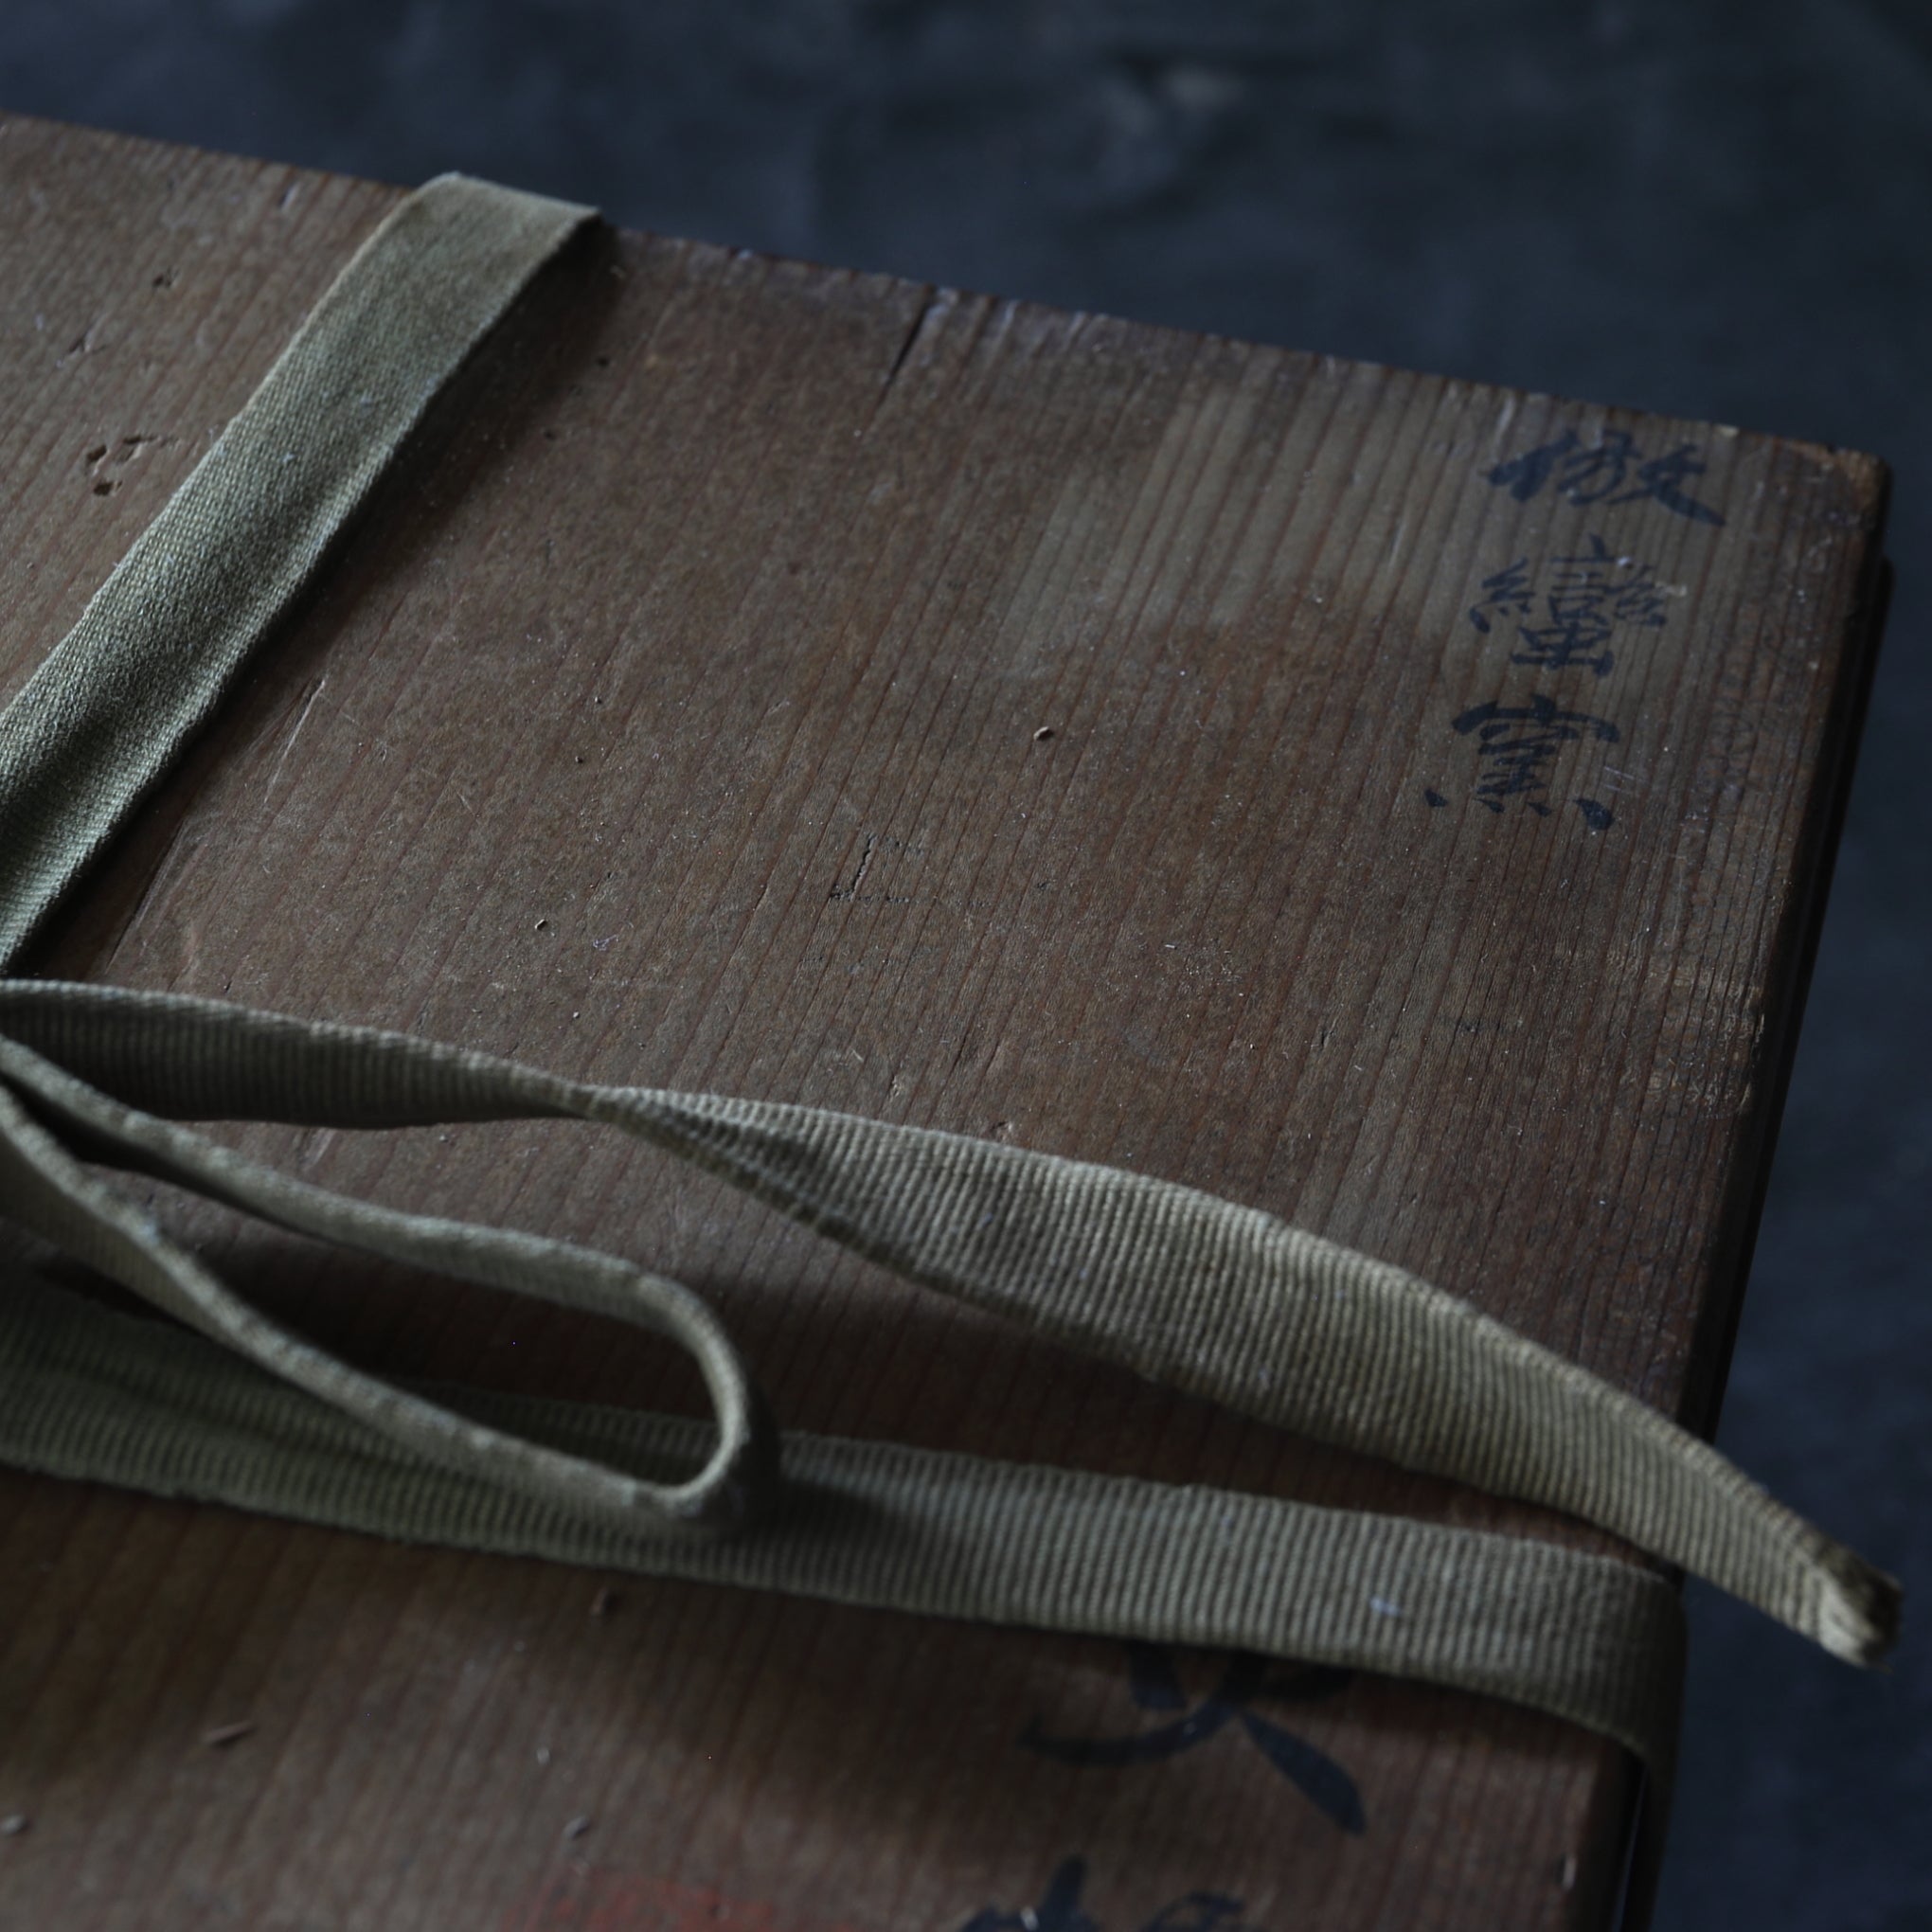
x: 774, y: 680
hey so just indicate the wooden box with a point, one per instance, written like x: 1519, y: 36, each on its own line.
x: 1395, y: 802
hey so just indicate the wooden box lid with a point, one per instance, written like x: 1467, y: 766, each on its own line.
x: 1398, y: 803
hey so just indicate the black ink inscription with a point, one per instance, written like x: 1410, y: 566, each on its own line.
x: 1516, y: 745
x: 1200, y: 1912
x: 1155, y: 1685
x: 1508, y: 593
x: 1058, y: 1910
x: 1586, y: 597
x: 1611, y: 470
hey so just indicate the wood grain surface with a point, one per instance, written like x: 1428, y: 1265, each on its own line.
x: 1395, y: 802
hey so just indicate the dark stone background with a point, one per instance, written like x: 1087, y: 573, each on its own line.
x: 1717, y: 210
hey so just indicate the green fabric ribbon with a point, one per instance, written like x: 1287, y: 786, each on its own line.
x: 1196, y: 1292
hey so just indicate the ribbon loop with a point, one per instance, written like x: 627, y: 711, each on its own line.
x: 45, y: 1188
x: 1223, y: 1301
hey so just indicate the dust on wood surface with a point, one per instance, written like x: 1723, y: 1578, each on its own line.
x: 1394, y: 802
